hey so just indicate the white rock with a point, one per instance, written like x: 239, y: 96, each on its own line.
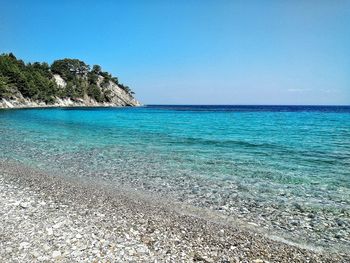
x: 46, y: 247
x: 56, y: 254
x: 49, y: 231
x: 35, y: 254
x: 142, y: 250
x: 59, y: 81
x: 24, y: 245
x: 83, y: 247
x: 58, y: 225
x: 43, y: 258
x: 24, y: 205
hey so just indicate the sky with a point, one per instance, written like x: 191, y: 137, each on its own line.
x: 195, y: 51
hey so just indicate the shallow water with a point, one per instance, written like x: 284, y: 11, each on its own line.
x: 284, y: 168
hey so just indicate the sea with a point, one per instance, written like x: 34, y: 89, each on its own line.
x: 281, y: 170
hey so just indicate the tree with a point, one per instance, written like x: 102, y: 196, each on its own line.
x: 96, y: 69
x: 92, y: 77
x: 3, y: 87
x: 69, y: 91
x: 95, y: 92
x: 115, y: 80
x: 36, y: 80
x: 69, y: 69
x: 125, y: 88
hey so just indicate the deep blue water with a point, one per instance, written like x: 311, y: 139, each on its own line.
x: 256, y: 108
x: 279, y: 163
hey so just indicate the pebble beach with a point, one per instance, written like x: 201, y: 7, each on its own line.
x: 46, y: 218
x: 175, y: 132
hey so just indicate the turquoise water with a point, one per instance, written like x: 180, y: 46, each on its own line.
x: 285, y: 169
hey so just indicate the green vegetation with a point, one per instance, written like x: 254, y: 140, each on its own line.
x: 36, y: 80
x: 69, y: 69
x: 126, y: 88
x: 4, y: 86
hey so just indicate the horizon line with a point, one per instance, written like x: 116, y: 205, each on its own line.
x: 301, y: 105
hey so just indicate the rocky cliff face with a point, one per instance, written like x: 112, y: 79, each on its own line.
x: 117, y: 97
x: 66, y: 82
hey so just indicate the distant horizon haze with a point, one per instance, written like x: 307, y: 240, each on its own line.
x: 195, y: 52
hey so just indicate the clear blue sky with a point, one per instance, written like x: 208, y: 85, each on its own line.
x: 195, y: 52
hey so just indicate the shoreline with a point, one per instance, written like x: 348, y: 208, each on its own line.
x: 64, y: 106
x: 60, y: 103
x: 72, y: 220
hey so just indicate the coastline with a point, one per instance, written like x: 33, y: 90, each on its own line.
x: 54, y: 218
x: 62, y: 103
x: 26, y: 107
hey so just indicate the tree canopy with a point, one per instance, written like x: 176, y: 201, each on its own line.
x: 36, y: 80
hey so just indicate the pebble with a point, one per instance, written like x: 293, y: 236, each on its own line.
x: 58, y: 225
x: 43, y: 258
x: 46, y: 247
x: 130, y: 230
x: 24, y: 245
x: 56, y: 254
x: 35, y: 254
x: 49, y: 231
x: 24, y: 205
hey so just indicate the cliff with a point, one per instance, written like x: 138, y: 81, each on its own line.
x: 66, y: 83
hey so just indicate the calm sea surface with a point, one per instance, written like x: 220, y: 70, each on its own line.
x: 282, y: 169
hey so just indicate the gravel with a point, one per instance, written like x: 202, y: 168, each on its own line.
x: 46, y: 218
